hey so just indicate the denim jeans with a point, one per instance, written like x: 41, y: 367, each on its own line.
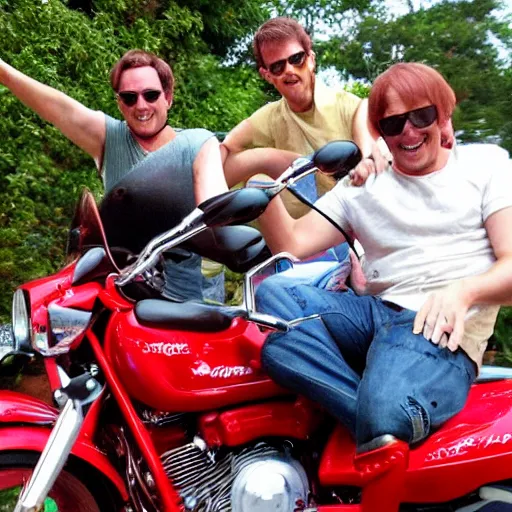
x: 362, y: 362
x: 213, y: 287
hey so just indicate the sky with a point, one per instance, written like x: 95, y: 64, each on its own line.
x: 398, y: 8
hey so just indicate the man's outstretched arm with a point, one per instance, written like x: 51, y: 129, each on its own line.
x: 81, y: 125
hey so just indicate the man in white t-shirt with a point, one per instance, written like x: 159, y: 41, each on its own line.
x: 435, y: 227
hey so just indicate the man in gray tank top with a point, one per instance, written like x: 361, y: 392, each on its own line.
x: 143, y: 142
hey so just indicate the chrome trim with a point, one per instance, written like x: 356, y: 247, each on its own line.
x: 150, y: 254
x: 67, y: 325
x: 75, y: 397
x: 299, y: 168
x: 53, y: 458
x: 489, y: 373
x: 248, y: 297
x: 21, y: 324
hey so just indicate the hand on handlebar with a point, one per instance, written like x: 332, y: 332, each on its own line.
x: 379, y: 159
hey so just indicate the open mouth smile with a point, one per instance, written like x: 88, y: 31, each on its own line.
x: 413, y: 147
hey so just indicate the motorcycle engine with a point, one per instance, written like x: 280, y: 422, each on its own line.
x: 258, y: 478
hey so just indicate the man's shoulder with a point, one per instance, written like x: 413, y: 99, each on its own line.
x: 195, y: 132
x: 479, y: 163
x: 268, y: 109
x: 337, y: 93
x: 115, y: 125
x: 479, y: 153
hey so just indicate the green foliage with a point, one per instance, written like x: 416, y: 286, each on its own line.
x: 41, y: 172
x: 503, y: 336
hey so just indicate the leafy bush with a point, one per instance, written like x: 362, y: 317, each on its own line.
x: 41, y: 172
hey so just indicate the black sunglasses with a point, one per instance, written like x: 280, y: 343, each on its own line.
x: 420, y: 118
x: 297, y: 60
x: 129, y: 98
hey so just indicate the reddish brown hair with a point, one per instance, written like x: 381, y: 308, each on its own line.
x: 140, y: 59
x: 412, y: 82
x: 278, y: 30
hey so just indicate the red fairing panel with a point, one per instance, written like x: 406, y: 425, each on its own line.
x: 472, y: 449
x: 19, y: 408
x: 297, y: 419
x: 188, y: 371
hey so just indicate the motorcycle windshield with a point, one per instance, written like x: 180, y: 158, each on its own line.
x: 87, y: 230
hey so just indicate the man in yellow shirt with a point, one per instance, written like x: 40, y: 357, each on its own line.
x: 308, y: 115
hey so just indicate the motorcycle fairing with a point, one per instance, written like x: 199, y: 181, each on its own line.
x: 470, y: 450
x: 296, y: 419
x: 192, y: 371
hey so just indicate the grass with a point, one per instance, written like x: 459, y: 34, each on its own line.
x: 9, y: 497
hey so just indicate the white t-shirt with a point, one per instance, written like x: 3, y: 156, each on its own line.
x: 420, y: 233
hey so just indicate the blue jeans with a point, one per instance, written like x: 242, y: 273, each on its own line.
x: 362, y: 362
x: 213, y: 287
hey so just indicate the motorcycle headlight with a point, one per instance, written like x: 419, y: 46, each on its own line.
x: 20, y: 322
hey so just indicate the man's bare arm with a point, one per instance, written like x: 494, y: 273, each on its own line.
x: 445, y: 311
x: 361, y: 133
x: 239, y: 167
x: 376, y: 156
x: 303, y: 237
x: 239, y: 138
x: 81, y: 125
x: 209, y: 178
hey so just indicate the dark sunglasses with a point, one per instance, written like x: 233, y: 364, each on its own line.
x: 297, y: 60
x: 129, y: 98
x: 420, y: 118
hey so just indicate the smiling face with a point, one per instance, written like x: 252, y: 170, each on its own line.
x: 296, y: 83
x: 416, y: 151
x: 144, y: 119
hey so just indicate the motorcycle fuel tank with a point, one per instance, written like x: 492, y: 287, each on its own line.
x: 175, y: 370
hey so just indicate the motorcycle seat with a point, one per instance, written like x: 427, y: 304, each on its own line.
x: 186, y: 316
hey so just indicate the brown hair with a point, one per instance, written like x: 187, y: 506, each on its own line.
x: 139, y: 59
x: 412, y: 81
x: 278, y: 30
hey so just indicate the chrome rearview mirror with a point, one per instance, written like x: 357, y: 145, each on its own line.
x: 252, y: 279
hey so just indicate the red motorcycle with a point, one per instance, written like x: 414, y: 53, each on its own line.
x: 162, y: 406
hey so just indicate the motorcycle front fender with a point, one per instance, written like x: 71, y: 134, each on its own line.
x: 20, y: 408
x: 37, y: 419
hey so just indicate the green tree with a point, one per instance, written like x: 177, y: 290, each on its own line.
x: 41, y: 172
x: 469, y: 42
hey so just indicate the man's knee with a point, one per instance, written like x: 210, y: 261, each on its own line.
x: 272, y: 296
x: 405, y: 418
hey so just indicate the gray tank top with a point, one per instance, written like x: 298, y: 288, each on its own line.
x: 124, y: 155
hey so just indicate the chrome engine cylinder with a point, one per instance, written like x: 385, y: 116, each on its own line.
x: 276, y: 484
x: 259, y: 478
